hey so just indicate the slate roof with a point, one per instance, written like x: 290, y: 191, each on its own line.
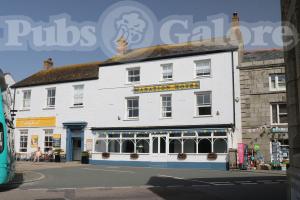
x: 89, y: 71
x: 70, y: 73
x: 173, y: 50
x: 262, y: 55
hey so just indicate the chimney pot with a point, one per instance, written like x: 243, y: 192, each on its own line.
x: 48, y: 64
x: 122, y: 46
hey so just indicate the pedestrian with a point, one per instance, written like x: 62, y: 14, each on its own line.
x: 37, y: 155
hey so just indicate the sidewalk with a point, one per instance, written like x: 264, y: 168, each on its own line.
x: 275, y: 172
x: 22, y: 166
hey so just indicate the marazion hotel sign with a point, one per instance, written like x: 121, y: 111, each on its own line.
x: 36, y: 122
x: 167, y: 87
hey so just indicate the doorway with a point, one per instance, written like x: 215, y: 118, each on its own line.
x: 76, y: 148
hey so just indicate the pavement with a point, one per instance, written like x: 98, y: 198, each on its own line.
x: 60, y: 181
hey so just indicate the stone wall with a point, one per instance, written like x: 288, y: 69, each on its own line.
x: 291, y: 13
x: 256, y: 98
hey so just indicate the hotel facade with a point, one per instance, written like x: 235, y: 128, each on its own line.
x: 165, y: 106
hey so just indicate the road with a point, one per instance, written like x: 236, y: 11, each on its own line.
x: 110, y: 182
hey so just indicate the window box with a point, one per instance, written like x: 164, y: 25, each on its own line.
x: 105, y: 155
x: 212, y: 156
x: 181, y: 156
x: 134, y: 156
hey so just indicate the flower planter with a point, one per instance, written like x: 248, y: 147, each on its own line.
x: 181, y: 156
x: 105, y: 155
x: 134, y: 156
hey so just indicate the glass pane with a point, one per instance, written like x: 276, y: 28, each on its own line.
x: 114, y: 146
x: 220, y: 146
x: 204, y: 110
x: 189, y: 146
x: 127, y: 146
x: 175, y: 146
x: 283, y: 118
x: 204, y: 146
x: 162, y: 145
x: 274, y: 114
x: 155, y: 145
x: 220, y: 133
x: 282, y: 108
x: 142, y: 146
x: 273, y: 82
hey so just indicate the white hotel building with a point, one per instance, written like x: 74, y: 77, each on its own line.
x: 165, y: 106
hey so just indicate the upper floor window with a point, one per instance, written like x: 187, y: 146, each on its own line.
x: 166, y: 106
x: 203, y: 104
x: 132, y: 107
x: 133, y: 75
x: 23, y: 140
x: 277, y: 82
x: 51, y: 92
x: 279, y: 113
x: 167, y: 71
x: 203, y: 68
x: 78, y: 95
x: 26, y: 98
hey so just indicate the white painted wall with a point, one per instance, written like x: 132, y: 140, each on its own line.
x: 104, y: 99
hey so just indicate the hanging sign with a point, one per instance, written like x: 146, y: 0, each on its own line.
x: 167, y: 87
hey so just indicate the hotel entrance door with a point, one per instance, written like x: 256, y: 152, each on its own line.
x: 159, y: 144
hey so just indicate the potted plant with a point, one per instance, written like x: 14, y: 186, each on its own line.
x: 85, y: 157
x: 57, y: 155
x: 134, y: 156
x: 181, y: 156
x: 105, y: 155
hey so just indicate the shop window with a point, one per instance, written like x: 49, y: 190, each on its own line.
x: 189, y: 146
x: 191, y: 134
x: 48, y: 140
x: 175, y: 134
x: 23, y: 140
x: 142, y: 135
x: 100, y: 146
x: 204, y: 146
x: 127, y: 146
x: 142, y: 146
x: 175, y: 146
x: 127, y: 135
x: 114, y: 146
x: 204, y: 134
x: 220, y: 146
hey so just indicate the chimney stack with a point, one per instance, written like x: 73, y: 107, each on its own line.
x: 122, y: 46
x: 236, y: 36
x: 48, y: 64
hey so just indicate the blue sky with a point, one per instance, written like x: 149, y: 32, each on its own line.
x: 24, y: 63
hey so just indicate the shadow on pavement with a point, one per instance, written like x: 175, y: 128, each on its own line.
x: 170, y: 188
x: 15, y: 183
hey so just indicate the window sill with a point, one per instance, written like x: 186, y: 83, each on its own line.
x: 49, y: 108
x: 202, y: 77
x: 132, y: 83
x: 77, y: 106
x: 203, y: 116
x: 131, y: 119
x: 163, y: 118
x: 24, y: 110
x: 166, y: 80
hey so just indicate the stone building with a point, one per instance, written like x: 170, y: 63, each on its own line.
x: 291, y: 13
x: 263, y: 101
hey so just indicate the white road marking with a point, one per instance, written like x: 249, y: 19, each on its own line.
x: 110, y: 170
x: 166, y: 176
x: 174, y: 186
x: 201, y: 185
x: 221, y: 183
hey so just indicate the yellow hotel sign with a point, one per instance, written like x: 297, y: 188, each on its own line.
x: 167, y: 87
x: 36, y: 122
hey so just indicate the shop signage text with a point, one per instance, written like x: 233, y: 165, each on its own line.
x: 36, y: 122
x: 167, y: 87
